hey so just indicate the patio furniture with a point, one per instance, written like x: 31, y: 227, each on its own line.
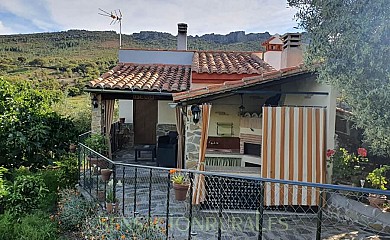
x: 144, y: 148
x: 167, y: 150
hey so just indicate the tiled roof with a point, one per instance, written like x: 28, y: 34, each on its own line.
x: 149, y: 77
x: 236, y: 85
x: 228, y: 63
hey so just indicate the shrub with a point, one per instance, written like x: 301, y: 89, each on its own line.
x: 97, y: 142
x: 377, y: 178
x: 68, y: 170
x: 34, y: 226
x: 73, y: 209
x: 26, y: 192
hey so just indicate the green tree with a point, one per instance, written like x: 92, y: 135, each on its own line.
x: 31, y: 134
x: 351, y: 50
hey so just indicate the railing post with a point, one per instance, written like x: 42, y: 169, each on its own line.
x: 319, y: 215
x: 114, y: 181
x: 150, y: 195
x: 123, y: 190
x: 167, y: 216
x: 135, y: 192
x: 219, y: 209
x: 90, y: 177
x: 79, y: 163
x: 261, y: 211
x: 84, y: 158
x: 190, y: 213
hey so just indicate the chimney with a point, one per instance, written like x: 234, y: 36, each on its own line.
x: 292, y: 54
x: 273, y: 51
x: 181, y: 36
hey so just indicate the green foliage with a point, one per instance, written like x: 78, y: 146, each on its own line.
x: 78, y: 109
x: 32, y: 134
x: 347, y: 167
x: 3, y: 186
x: 34, y: 226
x: 377, y: 178
x: 123, y: 228
x: 73, y: 209
x: 350, y: 40
x: 68, y: 170
x: 25, y: 194
x: 97, y: 142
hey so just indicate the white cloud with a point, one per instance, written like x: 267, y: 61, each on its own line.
x: 5, y: 30
x: 202, y: 16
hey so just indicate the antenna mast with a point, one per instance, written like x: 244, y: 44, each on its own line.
x: 116, y: 17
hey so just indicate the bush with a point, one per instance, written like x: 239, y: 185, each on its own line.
x: 25, y: 194
x: 68, y: 170
x: 34, y: 226
x: 73, y: 209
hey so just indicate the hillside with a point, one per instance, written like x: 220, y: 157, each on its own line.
x: 75, y: 56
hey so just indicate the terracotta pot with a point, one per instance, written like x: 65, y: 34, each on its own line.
x: 181, y: 191
x: 100, y: 195
x: 99, y: 162
x: 110, y: 207
x: 72, y: 147
x: 376, y: 200
x: 105, y: 174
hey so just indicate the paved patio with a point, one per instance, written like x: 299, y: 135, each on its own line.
x: 235, y: 224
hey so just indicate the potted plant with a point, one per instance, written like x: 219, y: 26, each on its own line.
x: 98, y: 143
x: 105, y: 174
x: 180, y: 185
x: 111, y: 202
x: 378, y: 180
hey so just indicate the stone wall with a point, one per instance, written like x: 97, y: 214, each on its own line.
x: 193, y: 132
x: 164, y: 129
x: 341, y: 208
x: 96, y: 123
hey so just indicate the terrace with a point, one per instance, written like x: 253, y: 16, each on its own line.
x: 228, y: 206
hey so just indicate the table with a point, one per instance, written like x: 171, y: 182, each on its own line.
x: 144, y: 148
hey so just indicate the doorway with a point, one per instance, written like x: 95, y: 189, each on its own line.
x: 145, y: 121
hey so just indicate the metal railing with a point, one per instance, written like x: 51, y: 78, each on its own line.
x: 235, y: 207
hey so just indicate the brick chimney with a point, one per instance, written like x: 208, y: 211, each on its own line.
x: 182, y: 36
x: 292, y: 54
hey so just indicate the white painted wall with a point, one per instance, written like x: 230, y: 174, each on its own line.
x: 328, y: 101
x: 166, y: 114
x: 126, y: 110
x: 273, y: 58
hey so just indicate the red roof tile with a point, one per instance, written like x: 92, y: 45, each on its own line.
x: 149, y: 77
x: 235, y: 85
x: 228, y: 62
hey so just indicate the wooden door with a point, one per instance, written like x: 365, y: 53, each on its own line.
x: 145, y: 121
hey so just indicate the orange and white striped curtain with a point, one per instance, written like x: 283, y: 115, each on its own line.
x: 199, y: 183
x: 293, y: 148
x: 108, y: 119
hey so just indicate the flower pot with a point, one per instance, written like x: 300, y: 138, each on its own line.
x: 180, y: 191
x: 98, y: 161
x: 105, y: 174
x: 100, y: 195
x: 376, y: 200
x: 110, y: 207
x: 72, y: 147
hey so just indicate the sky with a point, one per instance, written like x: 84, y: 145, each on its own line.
x: 202, y: 16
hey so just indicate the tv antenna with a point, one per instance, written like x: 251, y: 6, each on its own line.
x: 116, y: 17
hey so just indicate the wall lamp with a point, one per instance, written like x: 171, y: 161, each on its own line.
x: 195, y: 113
x: 95, y: 102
